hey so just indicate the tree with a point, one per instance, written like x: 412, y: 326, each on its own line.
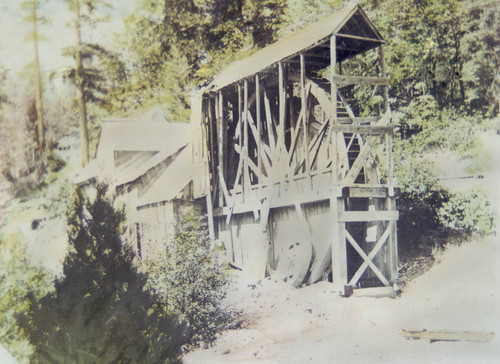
x: 20, y: 165
x: 100, y: 311
x: 173, y: 46
x: 88, y: 80
x: 34, y: 17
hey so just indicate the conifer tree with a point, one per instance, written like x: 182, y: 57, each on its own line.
x: 100, y: 311
x: 35, y: 18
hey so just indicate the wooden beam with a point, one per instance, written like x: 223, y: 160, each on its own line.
x: 333, y: 116
x: 265, y: 166
x: 358, y: 216
x: 341, y: 35
x: 304, y: 111
x: 363, y: 129
x: 392, y: 254
x: 311, y: 63
x: 339, y: 249
x: 224, y: 188
x: 365, y: 191
x: 269, y: 123
x: 358, y: 80
x: 258, y: 140
x: 239, y: 126
x: 246, y: 177
x: 282, y: 104
x: 211, y: 148
x: 220, y: 142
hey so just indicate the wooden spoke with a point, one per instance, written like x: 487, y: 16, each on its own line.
x: 269, y: 122
x: 224, y: 188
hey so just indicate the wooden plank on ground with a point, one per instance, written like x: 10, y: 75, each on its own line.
x: 375, y: 292
x: 449, y: 335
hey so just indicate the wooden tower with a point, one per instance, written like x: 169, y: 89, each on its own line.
x: 296, y: 181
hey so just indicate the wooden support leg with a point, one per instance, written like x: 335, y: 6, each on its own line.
x: 339, y: 251
x: 393, y: 245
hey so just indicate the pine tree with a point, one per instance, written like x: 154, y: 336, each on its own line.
x: 100, y: 311
x: 90, y: 81
x: 35, y: 18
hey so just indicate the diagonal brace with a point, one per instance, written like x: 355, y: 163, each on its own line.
x: 368, y: 259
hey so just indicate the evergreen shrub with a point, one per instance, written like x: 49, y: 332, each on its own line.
x: 190, y: 278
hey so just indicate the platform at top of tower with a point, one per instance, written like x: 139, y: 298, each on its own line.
x: 354, y: 31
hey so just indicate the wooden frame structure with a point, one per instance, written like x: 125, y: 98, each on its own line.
x: 289, y: 162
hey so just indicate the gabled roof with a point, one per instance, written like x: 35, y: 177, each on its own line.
x: 129, y: 147
x: 302, y: 40
x: 170, y: 181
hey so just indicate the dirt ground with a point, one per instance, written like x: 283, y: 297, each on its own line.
x: 313, y: 325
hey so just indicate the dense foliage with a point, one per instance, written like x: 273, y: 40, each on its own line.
x: 100, y: 311
x: 190, y: 279
x: 17, y: 278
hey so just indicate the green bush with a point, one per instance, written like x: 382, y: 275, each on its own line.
x: 191, y: 280
x: 468, y: 211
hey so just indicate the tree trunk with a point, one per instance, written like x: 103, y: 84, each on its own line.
x: 84, y: 133
x: 38, y: 85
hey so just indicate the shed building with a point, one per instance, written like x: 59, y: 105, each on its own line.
x: 148, y: 163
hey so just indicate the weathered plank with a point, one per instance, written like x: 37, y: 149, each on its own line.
x: 365, y: 191
x: 449, y: 335
x: 353, y: 216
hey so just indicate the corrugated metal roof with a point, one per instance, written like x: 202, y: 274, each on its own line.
x: 285, y: 48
